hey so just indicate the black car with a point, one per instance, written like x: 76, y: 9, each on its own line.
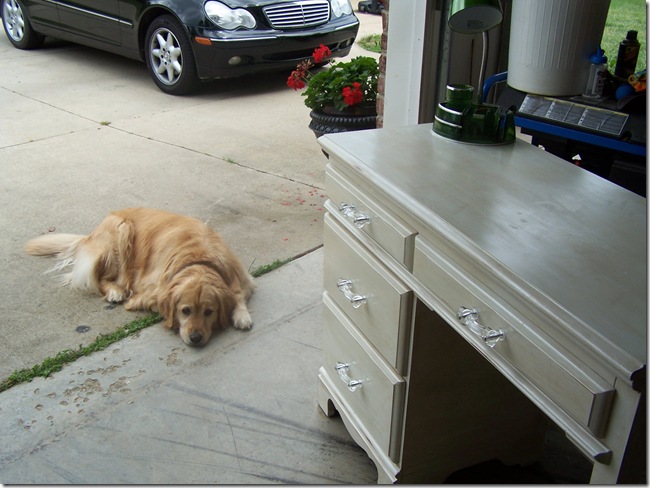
x: 185, y: 41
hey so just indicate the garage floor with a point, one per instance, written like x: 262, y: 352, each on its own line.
x: 242, y: 410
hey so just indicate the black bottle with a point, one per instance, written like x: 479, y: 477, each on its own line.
x: 628, y: 52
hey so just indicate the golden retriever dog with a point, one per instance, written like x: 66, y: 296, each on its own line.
x: 159, y: 261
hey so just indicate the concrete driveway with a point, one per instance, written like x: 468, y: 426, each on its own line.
x: 83, y: 132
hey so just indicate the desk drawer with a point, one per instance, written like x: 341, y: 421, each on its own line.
x: 377, y: 401
x: 371, y: 219
x: 376, y: 301
x: 551, y: 368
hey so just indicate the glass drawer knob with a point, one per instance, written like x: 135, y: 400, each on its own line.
x: 469, y: 318
x: 345, y: 286
x: 357, y: 218
x: 343, y: 369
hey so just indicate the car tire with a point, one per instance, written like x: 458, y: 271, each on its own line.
x: 169, y: 57
x: 17, y: 26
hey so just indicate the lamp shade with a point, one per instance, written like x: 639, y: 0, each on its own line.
x: 474, y: 16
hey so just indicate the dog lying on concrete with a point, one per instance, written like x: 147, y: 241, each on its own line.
x: 156, y: 260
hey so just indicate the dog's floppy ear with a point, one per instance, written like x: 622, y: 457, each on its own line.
x: 167, y: 307
x: 225, y: 307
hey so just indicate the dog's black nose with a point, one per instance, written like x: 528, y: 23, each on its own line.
x: 196, y: 337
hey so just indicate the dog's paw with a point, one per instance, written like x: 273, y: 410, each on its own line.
x: 114, y: 296
x: 241, y: 319
x: 141, y: 301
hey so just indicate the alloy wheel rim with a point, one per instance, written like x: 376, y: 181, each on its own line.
x: 166, y: 56
x: 14, y: 20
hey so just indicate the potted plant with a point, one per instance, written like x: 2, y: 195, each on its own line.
x: 342, y: 97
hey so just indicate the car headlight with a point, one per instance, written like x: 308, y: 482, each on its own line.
x: 341, y: 7
x: 227, y: 18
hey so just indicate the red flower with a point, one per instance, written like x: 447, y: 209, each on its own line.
x: 298, y: 78
x: 353, y: 95
x: 295, y: 80
x: 321, y: 53
x: 299, y: 75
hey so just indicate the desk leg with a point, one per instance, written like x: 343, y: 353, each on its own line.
x: 331, y: 403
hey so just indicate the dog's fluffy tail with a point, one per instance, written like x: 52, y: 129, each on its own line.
x: 61, y: 245
x: 70, y: 252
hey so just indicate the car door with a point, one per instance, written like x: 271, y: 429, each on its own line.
x: 43, y: 13
x: 92, y: 19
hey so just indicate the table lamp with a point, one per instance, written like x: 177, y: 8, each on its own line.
x: 459, y: 117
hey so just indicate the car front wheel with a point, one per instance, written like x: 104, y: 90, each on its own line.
x: 17, y: 26
x: 169, y: 57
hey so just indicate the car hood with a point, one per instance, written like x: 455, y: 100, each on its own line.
x: 253, y: 3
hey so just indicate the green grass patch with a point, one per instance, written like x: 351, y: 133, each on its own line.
x: 52, y: 365
x: 371, y: 43
x: 267, y: 268
x: 624, y: 15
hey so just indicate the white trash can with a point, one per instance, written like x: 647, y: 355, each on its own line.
x: 551, y: 42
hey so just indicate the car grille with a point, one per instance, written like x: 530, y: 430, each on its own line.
x: 298, y: 14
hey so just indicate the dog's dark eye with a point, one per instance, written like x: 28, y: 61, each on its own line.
x: 186, y: 311
x: 207, y: 312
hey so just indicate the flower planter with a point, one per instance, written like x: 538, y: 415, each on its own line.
x: 330, y: 123
x: 343, y: 97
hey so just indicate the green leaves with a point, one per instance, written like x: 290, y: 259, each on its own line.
x: 325, y: 88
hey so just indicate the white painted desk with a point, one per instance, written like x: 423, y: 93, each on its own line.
x: 468, y: 289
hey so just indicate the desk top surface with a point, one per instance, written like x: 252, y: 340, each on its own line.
x: 579, y: 239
